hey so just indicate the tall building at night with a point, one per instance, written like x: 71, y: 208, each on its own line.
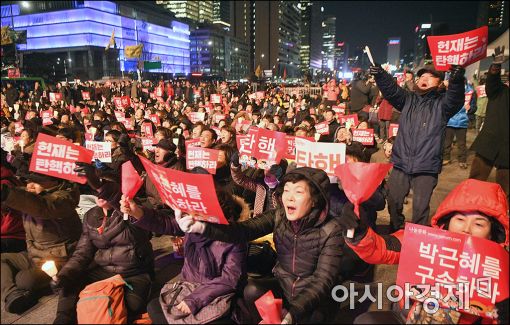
x: 311, y: 45
x: 275, y: 37
x: 77, y: 32
x: 223, y: 14
x: 494, y: 14
x: 393, y: 56
x: 328, y: 43
x: 341, y: 58
x: 196, y: 11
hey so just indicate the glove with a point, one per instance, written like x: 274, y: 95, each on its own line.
x: 59, y: 284
x: 5, y: 192
x: 349, y: 220
x: 187, y: 224
x: 88, y: 171
x: 456, y: 73
x: 287, y: 319
x: 100, y: 165
x: 499, y: 55
x: 234, y: 160
x: 376, y: 69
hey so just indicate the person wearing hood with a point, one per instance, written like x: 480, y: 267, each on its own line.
x: 217, y: 267
x: 475, y: 208
x: 52, y: 226
x: 113, y: 246
x: 417, y: 151
x: 307, y: 241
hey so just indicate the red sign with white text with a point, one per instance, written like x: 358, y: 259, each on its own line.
x: 147, y: 130
x: 291, y: 146
x: 352, y: 119
x: 191, y: 143
x: 55, y: 97
x: 195, y: 117
x: 121, y: 116
x: 191, y: 193
x: 202, y: 157
x: 56, y: 157
x: 46, y: 117
x: 480, y: 91
x: 216, y: 98
x: 365, y: 136
x: 458, y: 49
x: 122, y: 102
x: 393, y: 130
x: 85, y: 95
x: 155, y: 119
x: 472, y: 269
x: 322, y: 128
x: 270, y: 147
x: 128, y: 124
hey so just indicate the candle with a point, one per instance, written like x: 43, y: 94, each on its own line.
x: 49, y: 268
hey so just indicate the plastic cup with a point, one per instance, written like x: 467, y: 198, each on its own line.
x: 50, y: 268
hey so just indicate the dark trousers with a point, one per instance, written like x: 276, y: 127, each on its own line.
x: 13, y: 245
x: 383, y: 129
x: 135, y: 300
x: 481, y: 169
x: 379, y: 317
x: 460, y: 135
x: 19, y: 273
x: 399, y: 185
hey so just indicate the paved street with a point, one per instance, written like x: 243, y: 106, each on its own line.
x: 44, y: 312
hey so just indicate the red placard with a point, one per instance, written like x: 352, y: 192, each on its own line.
x: 191, y: 143
x: 365, y: 136
x: 393, y: 130
x: 252, y: 96
x: 458, y: 49
x: 85, y: 95
x: 246, y: 143
x: 13, y: 73
x: 155, y: 119
x: 291, y: 146
x: 480, y: 91
x: 121, y: 116
x: 260, y: 95
x: 131, y: 181
x: 216, y: 98
x: 118, y: 102
x: 270, y: 147
x: 18, y: 127
x: 467, y: 98
x: 472, y: 269
x: 56, y: 157
x: 128, y: 124
x: 243, y: 125
x: 122, y: 102
x: 269, y: 308
x: 351, y: 119
x: 46, y: 117
x: 322, y: 128
x: 202, y: 157
x: 191, y: 193
x: 340, y: 109
x: 158, y: 91
x: 54, y: 97
x: 219, y: 117
x: 195, y: 117
x: 147, y: 130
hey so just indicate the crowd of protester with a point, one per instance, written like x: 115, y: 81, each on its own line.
x: 297, y: 209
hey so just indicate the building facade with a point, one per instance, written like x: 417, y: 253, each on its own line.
x: 328, y: 43
x: 77, y: 32
x: 196, y: 11
x: 311, y: 45
x: 393, y: 54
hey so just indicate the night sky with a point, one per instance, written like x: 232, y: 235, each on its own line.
x: 361, y: 23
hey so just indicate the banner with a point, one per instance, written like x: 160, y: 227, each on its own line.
x: 322, y: 128
x: 102, y: 150
x: 349, y: 120
x: 46, y: 117
x: 202, y: 157
x: 291, y: 146
x: 54, y: 97
x: 246, y: 145
x: 393, y: 130
x: 148, y: 143
x: 122, y: 102
x: 480, y: 91
x: 191, y: 143
x: 458, y: 49
x: 85, y: 95
x: 191, y: 193
x: 471, y: 269
x: 195, y: 117
x: 270, y: 148
x: 13, y: 73
x: 325, y: 156
x: 56, y: 157
x: 216, y: 98
x: 128, y: 124
x: 244, y: 125
x: 365, y: 136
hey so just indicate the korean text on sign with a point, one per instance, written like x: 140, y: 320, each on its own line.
x: 102, y: 150
x: 458, y: 49
x: 191, y: 193
x: 270, y: 146
x: 365, y: 136
x: 440, y: 258
x: 202, y: 157
x: 325, y: 156
x: 56, y: 157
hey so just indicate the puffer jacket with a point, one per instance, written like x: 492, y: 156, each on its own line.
x: 418, y: 147
x: 121, y: 248
x: 50, y: 220
x: 230, y: 259
x: 309, y: 260
x: 12, y: 222
x: 493, y: 141
x: 470, y: 195
x: 461, y: 119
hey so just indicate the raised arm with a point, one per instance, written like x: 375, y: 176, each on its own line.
x: 394, y: 94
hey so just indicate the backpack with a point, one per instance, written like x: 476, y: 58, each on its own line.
x: 102, y: 302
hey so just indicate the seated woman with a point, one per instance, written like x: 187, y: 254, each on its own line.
x: 218, y: 268
x: 107, y: 246
x: 308, y: 244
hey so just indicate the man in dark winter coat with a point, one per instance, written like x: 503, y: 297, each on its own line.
x: 417, y: 151
x: 52, y: 228
x: 491, y: 145
x: 11, y: 95
x: 329, y: 116
x: 360, y: 94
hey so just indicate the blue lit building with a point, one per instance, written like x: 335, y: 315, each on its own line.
x: 78, y: 32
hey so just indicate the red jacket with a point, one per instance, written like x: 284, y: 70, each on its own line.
x: 385, y: 111
x: 470, y: 195
x: 12, y: 222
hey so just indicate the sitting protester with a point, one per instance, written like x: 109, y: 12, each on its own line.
x: 108, y: 246
x: 52, y: 227
x: 307, y: 239
x: 213, y: 268
x: 474, y: 208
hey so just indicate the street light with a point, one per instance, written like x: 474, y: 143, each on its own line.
x: 262, y: 55
x: 25, y: 4
x: 209, y: 43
